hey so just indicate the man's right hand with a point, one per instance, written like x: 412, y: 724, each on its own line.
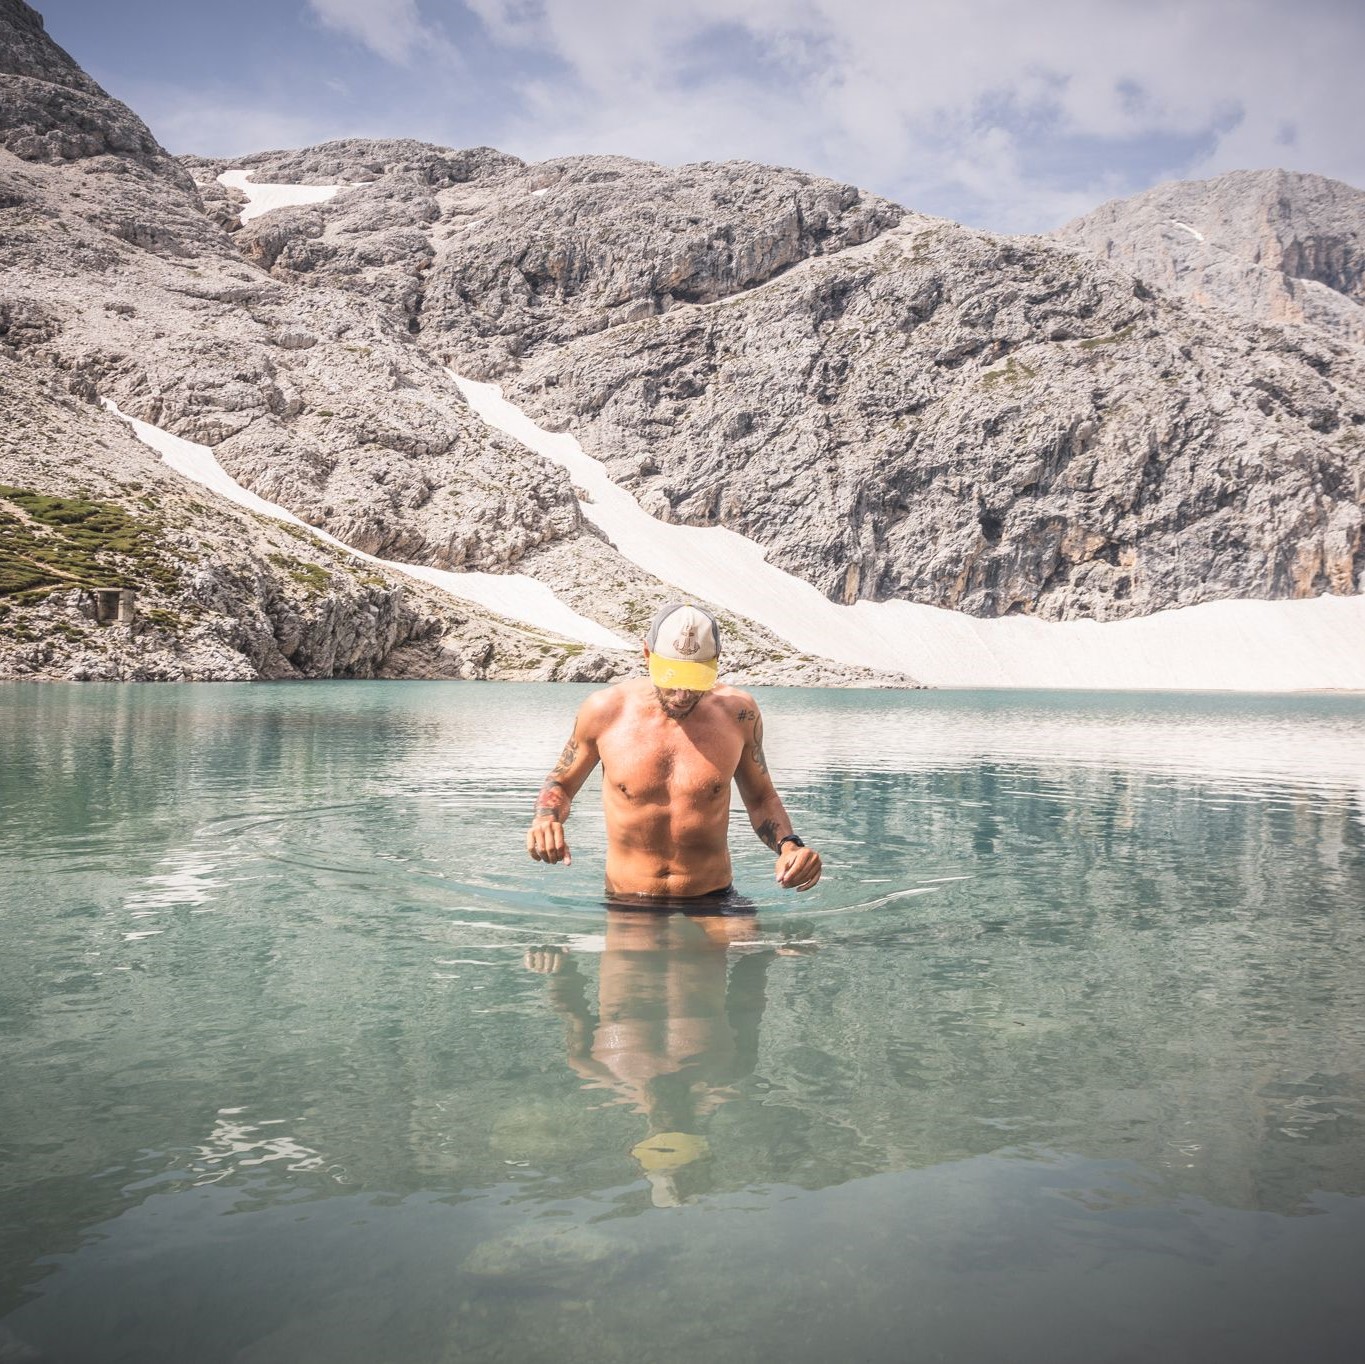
x: 545, y: 841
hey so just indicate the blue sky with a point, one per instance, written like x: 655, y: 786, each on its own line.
x: 1014, y: 116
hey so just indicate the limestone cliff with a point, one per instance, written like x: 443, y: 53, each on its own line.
x: 1275, y: 245
x: 897, y: 407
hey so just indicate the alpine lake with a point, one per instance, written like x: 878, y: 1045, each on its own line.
x: 303, y: 1059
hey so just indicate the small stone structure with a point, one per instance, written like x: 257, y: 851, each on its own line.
x: 115, y: 605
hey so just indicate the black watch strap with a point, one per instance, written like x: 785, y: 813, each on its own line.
x: 789, y: 838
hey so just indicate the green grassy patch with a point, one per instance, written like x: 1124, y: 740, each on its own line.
x: 167, y: 620
x: 1015, y: 372
x: 1109, y: 340
x: 313, y: 578
x: 49, y: 542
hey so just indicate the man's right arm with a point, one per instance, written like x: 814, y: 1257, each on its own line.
x: 545, y: 840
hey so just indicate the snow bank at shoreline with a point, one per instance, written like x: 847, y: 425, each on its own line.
x: 1305, y: 645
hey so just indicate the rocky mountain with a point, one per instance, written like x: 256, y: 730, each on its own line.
x: 118, y: 281
x: 1275, y: 245
x: 985, y: 424
x: 894, y: 408
x: 221, y: 593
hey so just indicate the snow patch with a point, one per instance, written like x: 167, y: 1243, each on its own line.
x: 262, y: 198
x: 1224, y: 646
x: 514, y: 595
x: 1193, y: 231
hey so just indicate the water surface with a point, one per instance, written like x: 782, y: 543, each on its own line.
x: 302, y: 1059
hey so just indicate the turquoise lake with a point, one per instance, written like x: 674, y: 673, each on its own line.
x: 303, y: 1059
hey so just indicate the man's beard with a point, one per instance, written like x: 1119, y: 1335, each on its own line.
x: 677, y: 710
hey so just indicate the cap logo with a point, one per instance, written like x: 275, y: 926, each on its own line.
x: 687, y: 642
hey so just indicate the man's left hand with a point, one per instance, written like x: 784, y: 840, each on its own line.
x: 798, y: 868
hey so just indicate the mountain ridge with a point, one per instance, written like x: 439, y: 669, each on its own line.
x: 894, y: 407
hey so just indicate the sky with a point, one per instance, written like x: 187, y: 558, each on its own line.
x: 1011, y: 116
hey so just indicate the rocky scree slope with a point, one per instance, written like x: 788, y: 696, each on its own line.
x: 112, y: 281
x: 222, y: 593
x: 1274, y: 245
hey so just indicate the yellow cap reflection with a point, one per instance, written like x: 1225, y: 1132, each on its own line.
x: 675, y: 1029
x: 670, y: 1150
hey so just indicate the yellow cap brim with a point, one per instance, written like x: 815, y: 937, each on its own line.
x: 670, y: 1150
x: 673, y: 672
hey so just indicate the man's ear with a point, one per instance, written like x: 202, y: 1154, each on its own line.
x: 645, y: 647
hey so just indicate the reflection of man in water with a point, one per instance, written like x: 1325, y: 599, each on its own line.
x: 674, y: 1030
x: 669, y: 746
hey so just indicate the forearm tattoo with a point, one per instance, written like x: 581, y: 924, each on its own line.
x: 767, y: 832
x: 553, y: 800
x: 554, y: 797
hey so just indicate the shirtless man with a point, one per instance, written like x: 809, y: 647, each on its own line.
x: 669, y: 746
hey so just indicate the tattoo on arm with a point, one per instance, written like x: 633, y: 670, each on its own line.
x: 554, y: 798
x: 746, y: 714
x: 756, y: 748
x: 767, y: 832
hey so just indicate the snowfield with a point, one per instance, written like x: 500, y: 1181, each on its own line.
x: 512, y: 595
x: 1224, y: 646
x: 265, y: 198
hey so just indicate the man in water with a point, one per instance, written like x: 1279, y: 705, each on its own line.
x: 670, y: 745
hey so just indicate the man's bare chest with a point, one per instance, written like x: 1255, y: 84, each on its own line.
x: 641, y: 764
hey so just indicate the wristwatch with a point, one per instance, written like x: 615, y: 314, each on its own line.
x: 789, y: 838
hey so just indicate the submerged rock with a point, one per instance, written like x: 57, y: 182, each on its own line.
x: 540, y: 1248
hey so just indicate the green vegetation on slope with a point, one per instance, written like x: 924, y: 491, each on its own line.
x: 49, y: 542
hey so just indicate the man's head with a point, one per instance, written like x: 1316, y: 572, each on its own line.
x: 682, y: 646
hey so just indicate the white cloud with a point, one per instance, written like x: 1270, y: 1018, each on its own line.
x: 393, y: 29
x: 1019, y: 114
x: 189, y: 120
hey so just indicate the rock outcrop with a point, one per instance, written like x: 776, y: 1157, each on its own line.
x: 988, y: 424
x: 220, y: 593
x: 1278, y: 246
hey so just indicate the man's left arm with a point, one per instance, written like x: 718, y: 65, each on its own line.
x: 798, y: 868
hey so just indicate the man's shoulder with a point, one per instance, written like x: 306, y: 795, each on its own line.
x: 738, y: 702
x: 601, y: 707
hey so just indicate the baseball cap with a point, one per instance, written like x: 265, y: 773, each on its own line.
x: 684, y: 646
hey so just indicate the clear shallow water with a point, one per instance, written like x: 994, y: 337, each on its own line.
x: 301, y: 1058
